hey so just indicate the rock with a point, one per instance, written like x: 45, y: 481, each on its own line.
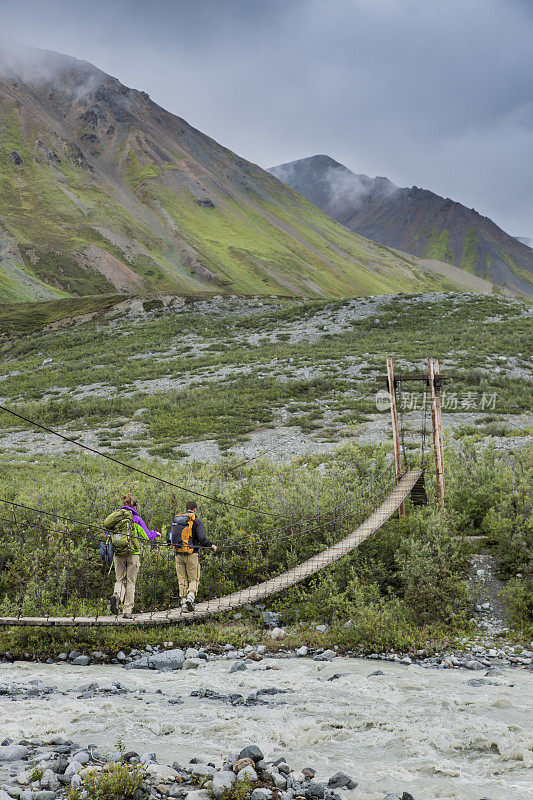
x: 121, y: 657
x: 192, y: 652
x: 302, y: 651
x: 376, y: 673
x: 81, y: 661
x: 199, y: 794
x: 392, y: 796
x: 73, y: 768
x: 83, y: 757
x: 238, y: 667
x: 308, y: 773
x: 480, y: 682
x: 49, y: 780
x: 202, y: 771
x: 494, y: 671
x: 16, y: 158
x: 161, y: 772
x: 473, y: 664
x: 43, y: 795
x: 247, y: 773
x: 254, y: 656
x: 280, y: 782
x: 277, y: 633
x: 13, y: 752
x: 222, y: 781
x: 407, y: 796
x: 162, y: 662
x: 271, y: 619
x: 5, y: 795
x: 315, y: 789
x: 327, y: 655
x: 341, y: 781
x: 148, y: 758
x: 321, y: 628
x: 191, y: 663
x: 253, y: 752
x: 240, y: 763
x: 261, y: 793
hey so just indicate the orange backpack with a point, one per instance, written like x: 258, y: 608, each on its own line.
x: 181, y: 532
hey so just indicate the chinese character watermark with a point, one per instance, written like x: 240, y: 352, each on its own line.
x: 450, y: 401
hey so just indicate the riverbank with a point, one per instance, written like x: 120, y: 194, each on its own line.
x: 393, y: 728
x: 268, y: 635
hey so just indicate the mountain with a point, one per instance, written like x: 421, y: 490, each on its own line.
x: 103, y: 191
x: 414, y: 220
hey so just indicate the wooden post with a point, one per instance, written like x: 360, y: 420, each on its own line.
x: 395, y: 434
x: 436, y: 420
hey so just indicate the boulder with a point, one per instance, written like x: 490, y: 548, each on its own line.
x: 13, y: 752
x: 238, y: 667
x: 254, y: 656
x: 49, y: 780
x: 222, y: 781
x: 161, y: 772
x: 261, y: 793
x: 271, y: 619
x: 202, y: 771
x: 247, y: 773
x: 73, y: 768
x: 81, y: 661
x: 315, y: 789
x: 302, y: 651
x: 240, y: 763
x: 191, y: 663
x: 253, y: 752
x: 341, y: 781
x: 473, y: 664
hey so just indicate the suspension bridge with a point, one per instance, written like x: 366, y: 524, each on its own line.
x: 38, y: 577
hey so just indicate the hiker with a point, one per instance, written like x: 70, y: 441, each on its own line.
x: 127, y: 530
x: 187, y: 535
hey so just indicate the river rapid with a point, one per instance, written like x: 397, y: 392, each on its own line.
x: 423, y: 731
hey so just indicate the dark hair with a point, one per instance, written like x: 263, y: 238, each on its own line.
x: 191, y: 505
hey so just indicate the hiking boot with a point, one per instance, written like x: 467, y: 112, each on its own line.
x: 189, y: 602
x: 183, y: 604
x: 113, y: 604
x: 127, y: 616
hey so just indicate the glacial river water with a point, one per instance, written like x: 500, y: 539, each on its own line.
x: 422, y: 731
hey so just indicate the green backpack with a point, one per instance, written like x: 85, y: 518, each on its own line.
x: 121, y: 529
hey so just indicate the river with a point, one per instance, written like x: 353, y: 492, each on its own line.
x: 423, y: 731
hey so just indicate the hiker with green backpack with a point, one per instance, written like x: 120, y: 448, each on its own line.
x: 127, y: 530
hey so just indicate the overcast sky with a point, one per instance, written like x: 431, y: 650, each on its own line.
x: 433, y: 93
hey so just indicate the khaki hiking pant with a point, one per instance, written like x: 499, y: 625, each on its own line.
x: 126, y: 571
x: 188, y: 572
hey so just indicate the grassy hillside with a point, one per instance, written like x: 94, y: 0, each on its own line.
x: 103, y: 191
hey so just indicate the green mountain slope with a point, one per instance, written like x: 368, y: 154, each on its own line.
x: 101, y: 190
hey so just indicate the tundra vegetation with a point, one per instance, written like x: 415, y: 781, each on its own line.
x: 144, y: 388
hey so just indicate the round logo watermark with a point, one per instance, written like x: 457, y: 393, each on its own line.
x: 382, y: 399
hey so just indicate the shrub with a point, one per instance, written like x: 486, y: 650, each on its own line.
x: 116, y: 782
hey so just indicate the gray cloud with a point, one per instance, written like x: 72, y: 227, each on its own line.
x: 428, y: 93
